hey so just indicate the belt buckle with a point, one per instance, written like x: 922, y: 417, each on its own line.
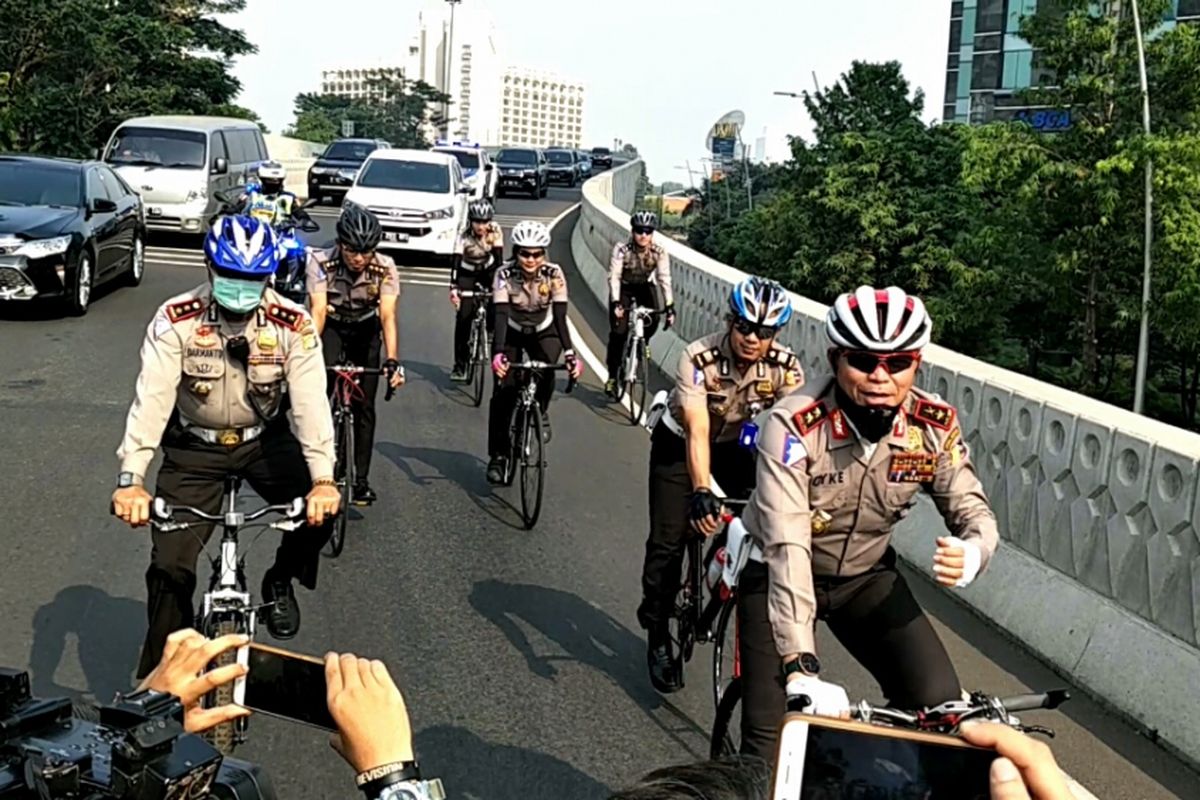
x: 229, y: 438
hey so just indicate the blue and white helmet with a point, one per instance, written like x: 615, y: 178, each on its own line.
x: 761, y: 301
x: 242, y: 247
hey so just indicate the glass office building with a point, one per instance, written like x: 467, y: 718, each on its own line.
x: 988, y: 63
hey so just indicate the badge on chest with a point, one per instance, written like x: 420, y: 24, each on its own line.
x: 912, y: 468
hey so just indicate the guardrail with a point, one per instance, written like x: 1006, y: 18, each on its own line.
x: 1098, y: 569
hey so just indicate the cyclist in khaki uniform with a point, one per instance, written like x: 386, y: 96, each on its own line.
x: 215, y: 362
x: 639, y: 271
x: 354, y: 291
x: 837, y: 469
x: 704, y: 432
x: 473, y: 271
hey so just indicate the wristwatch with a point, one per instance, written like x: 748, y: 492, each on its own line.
x: 806, y: 664
x: 127, y: 479
x: 413, y: 790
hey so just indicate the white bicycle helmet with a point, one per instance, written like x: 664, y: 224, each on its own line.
x: 272, y: 171
x: 531, y: 233
x: 884, y: 320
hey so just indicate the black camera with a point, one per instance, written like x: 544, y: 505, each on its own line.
x: 136, y: 750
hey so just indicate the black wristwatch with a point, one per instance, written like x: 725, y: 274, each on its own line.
x: 127, y: 479
x: 806, y: 664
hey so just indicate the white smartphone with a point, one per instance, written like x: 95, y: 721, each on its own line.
x: 283, y: 684
x: 821, y: 757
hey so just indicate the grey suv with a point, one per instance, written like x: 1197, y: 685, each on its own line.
x: 522, y: 169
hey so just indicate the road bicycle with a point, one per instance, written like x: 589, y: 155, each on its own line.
x: 479, y: 345
x: 526, y: 445
x: 633, y: 374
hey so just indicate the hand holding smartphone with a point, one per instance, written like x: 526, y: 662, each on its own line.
x: 283, y: 684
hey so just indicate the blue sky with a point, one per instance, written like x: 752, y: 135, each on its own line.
x: 658, y: 72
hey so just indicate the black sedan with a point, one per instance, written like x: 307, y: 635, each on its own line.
x: 334, y: 171
x: 66, y: 227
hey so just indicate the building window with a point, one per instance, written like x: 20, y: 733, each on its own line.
x: 986, y: 71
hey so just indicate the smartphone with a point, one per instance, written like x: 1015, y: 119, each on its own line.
x: 821, y: 757
x: 283, y: 684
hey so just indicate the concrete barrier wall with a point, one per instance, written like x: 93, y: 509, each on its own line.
x: 296, y: 156
x: 1099, y: 565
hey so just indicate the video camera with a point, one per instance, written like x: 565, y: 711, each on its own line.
x: 138, y: 750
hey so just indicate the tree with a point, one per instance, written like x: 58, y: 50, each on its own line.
x: 630, y: 151
x: 77, y: 68
x: 395, y: 109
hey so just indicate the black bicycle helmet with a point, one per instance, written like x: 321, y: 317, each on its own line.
x: 644, y: 219
x: 480, y: 211
x: 358, y: 229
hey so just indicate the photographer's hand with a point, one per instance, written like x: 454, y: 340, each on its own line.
x: 185, y: 656
x: 1025, y: 769
x: 369, y: 711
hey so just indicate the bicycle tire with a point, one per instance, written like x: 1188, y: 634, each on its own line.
x: 478, y: 362
x: 725, y: 739
x: 722, y: 676
x: 515, y: 425
x: 637, y: 388
x: 344, y: 475
x: 533, y: 467
x: 224, y: 736
x: 682, y: 624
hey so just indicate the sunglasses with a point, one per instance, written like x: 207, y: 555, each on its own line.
x: 747, y: 328
x: 531, y: 253
x: 867, y: 363
x: 643, y: 231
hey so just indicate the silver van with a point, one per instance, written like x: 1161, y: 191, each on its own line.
x: 176, y: 163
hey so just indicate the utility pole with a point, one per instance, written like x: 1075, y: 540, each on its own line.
x: 1139, y: 386
x: 449, y: 62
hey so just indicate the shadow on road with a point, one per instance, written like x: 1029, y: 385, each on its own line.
x: 439, y: 377
x: 475, y: 769
x: 108, y: 631
x: 465, y: 469
x: 588, y: 635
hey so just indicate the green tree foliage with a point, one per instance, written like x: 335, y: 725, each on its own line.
x: 76, y: 68
x: 395, y: 109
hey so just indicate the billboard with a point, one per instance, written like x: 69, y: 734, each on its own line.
x: 722, y: 140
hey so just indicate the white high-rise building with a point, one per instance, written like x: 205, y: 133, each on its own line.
x: 355, y: 82
x: 540, y: 109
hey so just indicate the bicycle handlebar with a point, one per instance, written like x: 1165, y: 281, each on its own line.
x: 162, y: 515
x: 471, y: 293
x: 347, y: 370
x: 544, y: 366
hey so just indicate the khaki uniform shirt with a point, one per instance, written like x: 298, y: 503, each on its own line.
x: 825, y: 504
x: 530, y: 296
x: 352, y: 296
x: 186, y: 366
x: 707, y: 376
x: 629, y: 265
x: 477, y: 252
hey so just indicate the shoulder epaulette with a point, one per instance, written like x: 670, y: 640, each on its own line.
x: 939, y: 415
x: 784, y: 358
x: 186, y: 309
x: 706, y: 357
x: 810, y: 417
x: 289, y: 318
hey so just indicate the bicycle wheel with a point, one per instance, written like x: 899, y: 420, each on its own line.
x: 726, y: 665
x: 223, y: 736
x: 478, y: 363
x: 637, y: 384
x: 682, y: 625
x: 343, y: 473
x: 533, y: 467
x: 726, y: 736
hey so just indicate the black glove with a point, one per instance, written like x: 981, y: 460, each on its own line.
x: 390, y: 368
x: 670, y: 318
x: 704, y: 504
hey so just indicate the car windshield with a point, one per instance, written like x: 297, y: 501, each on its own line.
x: 466, y: 160
x: 600, y: 151
x: 411, y: 176
x: 349, y: 151
x: 559, y: 157
x: 523, y: 157
x: 157, y: 147
x: 24, y: 183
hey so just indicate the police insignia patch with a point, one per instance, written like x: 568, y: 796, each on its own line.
x: 916, y: 439
x: 287, y: 317
x: 178, y: 312
x: 793, y: 451
x: 809, y: 418
x: 837, y: 421
x: 936, y: 414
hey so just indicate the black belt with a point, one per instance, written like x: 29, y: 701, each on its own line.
x: 352, y: 317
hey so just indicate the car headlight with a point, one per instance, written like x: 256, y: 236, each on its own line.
x: 348, y: 174
x: 529, y: 173
x: 41, y: 248
x: 320, y: 171
x: 441, y: 213
x: 197, y: 194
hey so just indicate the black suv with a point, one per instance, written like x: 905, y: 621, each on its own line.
x: 334, y: 171
x: 602, y: 158
x: 522, y: 169
x: 564, y: 166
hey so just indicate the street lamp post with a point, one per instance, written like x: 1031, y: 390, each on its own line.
x: 1139, y: 386
x: 449, y: 62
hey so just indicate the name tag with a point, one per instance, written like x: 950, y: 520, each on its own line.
x: 912, y: 468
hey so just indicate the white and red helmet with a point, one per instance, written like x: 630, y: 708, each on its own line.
x: 883, y: 320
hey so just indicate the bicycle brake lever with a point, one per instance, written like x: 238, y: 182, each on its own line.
x: 289, y: 525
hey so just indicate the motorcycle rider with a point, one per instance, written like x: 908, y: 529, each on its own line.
x: 473, y: 271
x: 268, y: 200
x: 639, y: 271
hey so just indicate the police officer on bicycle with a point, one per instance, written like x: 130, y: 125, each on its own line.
x: 723, y: 381
x: 837, y: 469
x: 640, y: 271
x: 353, y: 291
x: 530, y: 297
x: 215, y: 364
x: 475, y: 269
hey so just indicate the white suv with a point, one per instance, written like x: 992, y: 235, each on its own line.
x: 478, y: 170
x: 420, y: 198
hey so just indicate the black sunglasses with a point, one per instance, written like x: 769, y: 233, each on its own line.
x: 747, y: 328
x: 867, y: 362
x: 530, y: 253
x: 643, y: 231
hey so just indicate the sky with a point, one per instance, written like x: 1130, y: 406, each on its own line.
x: 658, y: 73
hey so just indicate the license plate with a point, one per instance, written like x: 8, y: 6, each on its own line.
x: 154, y: 211
x: 395, y: 237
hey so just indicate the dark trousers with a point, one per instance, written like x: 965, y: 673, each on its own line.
x: 468, y: 282
x: 193, y: 473
x: 359, y: 344
x: 732, y: 468
x: 539, y: 346
x: 873, y: 615
x: 646, y: 295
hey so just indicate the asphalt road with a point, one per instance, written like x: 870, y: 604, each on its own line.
x: 518, y: 651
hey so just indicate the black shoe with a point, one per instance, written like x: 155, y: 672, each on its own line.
x: 662, y: 664
x: 283, y: 612
x: 364, y: 495
x: 547, y: 431
x: 459, y: 373
x: 496, y: 469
